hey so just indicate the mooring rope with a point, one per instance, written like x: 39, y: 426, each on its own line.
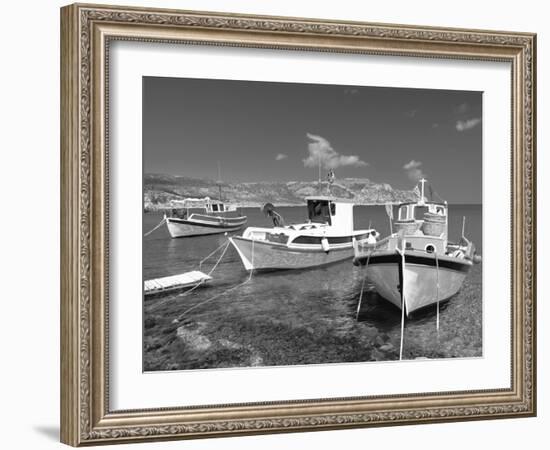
x: 177, y: 319
x: 437, y: 289
x: 402, y: 300
x: 219, y: 259
x: 363, y: 286
x: 201, y: 282
x: 158, y: 226
x: 226, y: 244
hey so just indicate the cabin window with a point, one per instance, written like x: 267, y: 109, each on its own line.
x: 307, y: 240
x: 317, y: 240
x: 404, y: 213
x: 318, y: 211
x: 332, y: 209
x: 221, y: 207
x: 215, y: 208
x: 437, y: 209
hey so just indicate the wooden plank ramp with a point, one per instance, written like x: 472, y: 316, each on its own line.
x: 175, y: 282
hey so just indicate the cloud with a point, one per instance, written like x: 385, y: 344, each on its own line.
x: 321, y: 150
x: 412, y: 164
x: 414, y: 170
x: 280, y: 157
x: 463, y: 125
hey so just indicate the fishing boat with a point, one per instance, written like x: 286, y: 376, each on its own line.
x: 326, y: 237
x: 198, y: 217
x: 416, y: 265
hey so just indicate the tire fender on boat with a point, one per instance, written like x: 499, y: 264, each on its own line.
x: 325, y: 244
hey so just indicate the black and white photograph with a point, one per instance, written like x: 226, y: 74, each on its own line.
x: 292, y: 224
x: 271, y: 225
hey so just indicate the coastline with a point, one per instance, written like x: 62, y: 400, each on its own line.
x: 148, y: 209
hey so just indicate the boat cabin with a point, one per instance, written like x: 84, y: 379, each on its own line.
x: 337, y: 213
x: 205, y: 205
x: 423, y: 220
x: 418, y: 211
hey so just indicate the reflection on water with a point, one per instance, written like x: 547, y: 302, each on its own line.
x: 296, y: 317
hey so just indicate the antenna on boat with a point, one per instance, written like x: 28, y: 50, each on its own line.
x: 422, y: 182
x: 219, y: 182
x: 320, y: 182
x: 330, y: 180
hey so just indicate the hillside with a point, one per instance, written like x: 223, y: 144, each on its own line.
x: 160, y: 190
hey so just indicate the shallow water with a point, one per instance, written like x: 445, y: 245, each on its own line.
x: 296, y: 317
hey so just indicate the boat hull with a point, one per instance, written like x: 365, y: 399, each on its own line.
x: 261, y: 255
x: 425, y: 281
x: 185, y: 228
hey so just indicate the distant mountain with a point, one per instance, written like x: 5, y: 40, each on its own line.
x: 161, y: 190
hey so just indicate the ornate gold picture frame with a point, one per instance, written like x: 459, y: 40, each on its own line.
x: 87, y: 32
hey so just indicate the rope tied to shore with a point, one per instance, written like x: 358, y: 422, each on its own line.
x: 200, y: 283
x: 403, y: 302
x: 437, y: 290
x: 363, y: 286
x: 156, y: 228
x: 226, y: 244
x: 177, y: 319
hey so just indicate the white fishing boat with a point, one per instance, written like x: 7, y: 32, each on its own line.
x: 198, y: 217
x: 417, y: 266
x: 326, y: 237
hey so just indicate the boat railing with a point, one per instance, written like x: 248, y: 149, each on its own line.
x: 362, y: 246
x: 256, y: 234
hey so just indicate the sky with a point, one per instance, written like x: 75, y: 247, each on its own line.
x: 260, y: 131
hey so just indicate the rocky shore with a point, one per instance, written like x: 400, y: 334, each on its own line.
x: 160, y: 191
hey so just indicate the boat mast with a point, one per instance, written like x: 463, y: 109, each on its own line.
x: 219, y: 182
x: 320, y: 182
x: 422, y: 181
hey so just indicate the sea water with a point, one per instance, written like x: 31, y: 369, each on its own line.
x: 296, y: 317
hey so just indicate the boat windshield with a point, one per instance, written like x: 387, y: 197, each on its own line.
x: 318, y: 211
x: 403, y: 213
x: 419, y: 212
x: 195, y: 203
